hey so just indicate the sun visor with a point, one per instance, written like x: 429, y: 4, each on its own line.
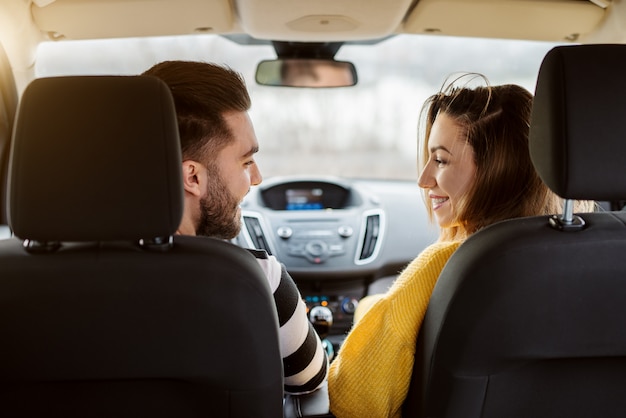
x: 88, y: 19
x: 550, y: 20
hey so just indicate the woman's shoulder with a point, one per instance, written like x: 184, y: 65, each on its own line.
x: 438, y: 250
x: 432, y: 258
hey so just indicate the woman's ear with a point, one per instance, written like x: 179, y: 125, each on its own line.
x: 192, y: 171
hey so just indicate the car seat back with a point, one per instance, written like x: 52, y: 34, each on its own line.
x: 103, y: 311
x: 527, y: 317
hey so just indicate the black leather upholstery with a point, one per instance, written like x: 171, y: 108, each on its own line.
x: 577, y: 131
x: 95, y: 324
x: 94, y: 158
x: 527, y: 320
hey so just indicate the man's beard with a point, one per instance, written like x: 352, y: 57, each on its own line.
x: 219, y: 210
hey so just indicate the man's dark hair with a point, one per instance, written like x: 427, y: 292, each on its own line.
x: 202, y: 93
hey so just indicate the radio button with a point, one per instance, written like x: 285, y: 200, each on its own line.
x: 284, y: 232
x: 316, y: 248
x: 345, y: 231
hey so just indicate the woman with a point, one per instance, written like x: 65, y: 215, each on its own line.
x: 475, y: 169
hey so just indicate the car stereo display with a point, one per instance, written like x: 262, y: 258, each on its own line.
x: 304, y: 199
x: 305, y: 195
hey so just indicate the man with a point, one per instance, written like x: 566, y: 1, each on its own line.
x: 218, y: 145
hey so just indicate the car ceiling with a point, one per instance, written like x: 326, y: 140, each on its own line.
x: 321, y: 20
x: 25, y: 23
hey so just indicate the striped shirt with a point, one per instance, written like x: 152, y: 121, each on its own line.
x: 305, y: 363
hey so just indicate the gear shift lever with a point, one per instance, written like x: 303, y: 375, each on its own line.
x: 322, y: 319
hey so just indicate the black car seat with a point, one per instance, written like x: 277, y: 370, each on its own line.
x: 528, y: 318
x: 103, y: 312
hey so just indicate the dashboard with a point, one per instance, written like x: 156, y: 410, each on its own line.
x: 340, y: 239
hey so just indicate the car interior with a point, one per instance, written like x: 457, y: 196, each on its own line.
x: 89, y: 206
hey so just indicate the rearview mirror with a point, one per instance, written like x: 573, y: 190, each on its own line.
x: 300, y: 72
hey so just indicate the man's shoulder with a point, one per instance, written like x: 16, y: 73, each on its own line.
x: 274, y: 271
x: 260, y: 254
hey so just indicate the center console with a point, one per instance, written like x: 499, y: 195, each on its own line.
x: 331, y: 234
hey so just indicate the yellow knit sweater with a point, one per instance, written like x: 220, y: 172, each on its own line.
x: 370, y: 376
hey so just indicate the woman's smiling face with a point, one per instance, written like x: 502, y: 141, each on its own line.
x: 449, y: 171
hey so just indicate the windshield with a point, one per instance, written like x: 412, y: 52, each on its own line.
x: 365, y: 131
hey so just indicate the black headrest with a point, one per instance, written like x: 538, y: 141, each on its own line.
x: 95, y: 158
x: 578, y: 129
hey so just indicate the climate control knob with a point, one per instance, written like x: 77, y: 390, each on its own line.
x: 284, y: 232
x: 316, y: 248
x: 345, y: 231
x: 348, y: 305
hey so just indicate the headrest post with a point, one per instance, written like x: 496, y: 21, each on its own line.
x: 40, y: 247
x: 568, y: 211
x: 161, y: 244
x: 567, y: 221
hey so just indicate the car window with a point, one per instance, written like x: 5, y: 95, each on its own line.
x: 365, y: 131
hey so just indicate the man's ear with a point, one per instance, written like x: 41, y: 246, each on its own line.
x: 192, y: 172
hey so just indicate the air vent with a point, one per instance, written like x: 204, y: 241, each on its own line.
x: 371, y: 237
x: 255, y: 232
